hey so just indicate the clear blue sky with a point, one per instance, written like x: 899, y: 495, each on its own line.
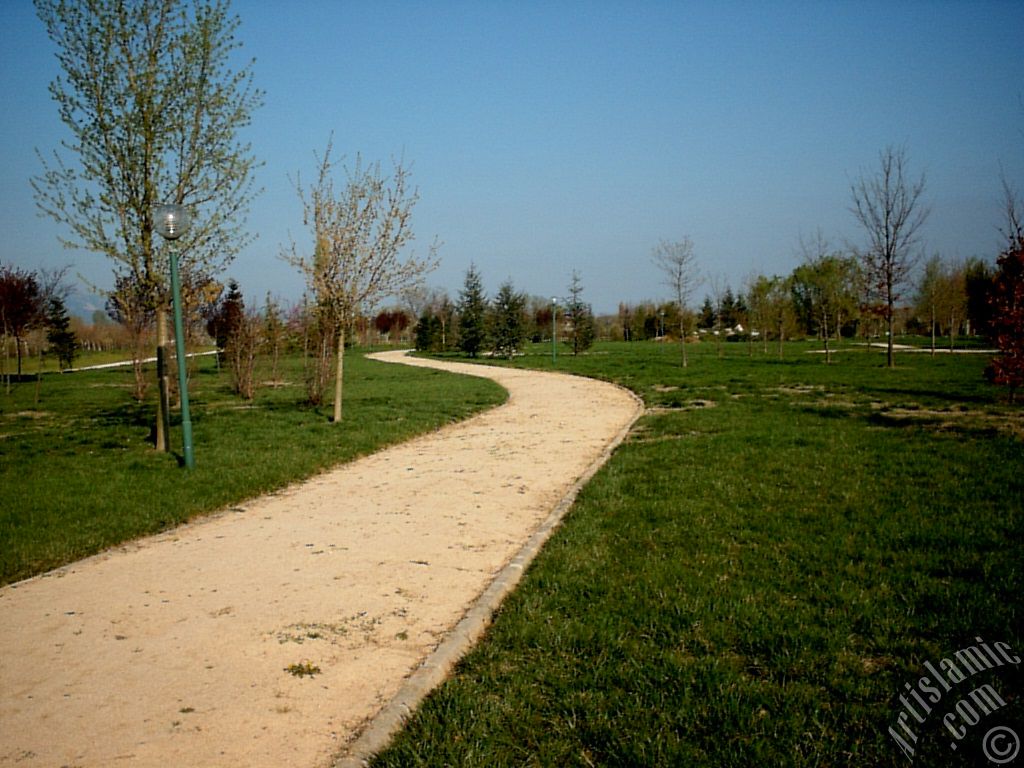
x: 552, y: 136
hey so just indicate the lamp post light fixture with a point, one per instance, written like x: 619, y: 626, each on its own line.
x: 172, y: 221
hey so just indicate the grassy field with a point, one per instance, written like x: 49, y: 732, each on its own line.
x: 77, y: 474
x: 759, y: 574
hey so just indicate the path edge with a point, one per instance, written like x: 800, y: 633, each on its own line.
x: 383, y: 726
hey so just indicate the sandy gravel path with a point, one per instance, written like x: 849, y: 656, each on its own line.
x: 172, y: 651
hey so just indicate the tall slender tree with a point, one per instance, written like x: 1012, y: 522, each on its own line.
x: 472, y: 313
x: 63, y: 341
x: 359, y: 239
x: 929, y: 293
x: 580, y: 316
x: 678, y: 264
x: 508, y: 320
x: 889, y: 208
x: 153, y: 109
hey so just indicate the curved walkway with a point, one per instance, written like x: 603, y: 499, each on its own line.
x: 174, y: 650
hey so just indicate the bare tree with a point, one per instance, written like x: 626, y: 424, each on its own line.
x: 888, y: 206
x: 757, y: 288
x: 718, y: 285
x: 241, y: 350
x: 274, y: 333
x: 929, y: 293
x: 127, y: 307
x: 678, y: 264
x: 359, y: 236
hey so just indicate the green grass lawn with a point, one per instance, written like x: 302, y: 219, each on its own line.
x: 77, y: 473
x: 758, y: 574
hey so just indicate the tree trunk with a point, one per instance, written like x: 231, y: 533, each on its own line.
x: 3, y: 366
x: 890, y: 355
x: 39, y: 375
x: 339, y: 373
x: 933, y: 329
x: 824, y: 320
x: 682, y: 341
x: 891, y: 318
x: 163, y: 411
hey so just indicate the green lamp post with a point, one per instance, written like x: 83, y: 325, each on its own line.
x: 172, y: 221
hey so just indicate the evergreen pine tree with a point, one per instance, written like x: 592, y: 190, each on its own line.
x: 580, y: 316
x: 472, y: 308
x: 707, y: 314
x: 508, y: 320
x: 59, y: 333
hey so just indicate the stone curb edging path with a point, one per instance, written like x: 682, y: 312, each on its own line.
x: 173, y: 650
x: 471, y: 627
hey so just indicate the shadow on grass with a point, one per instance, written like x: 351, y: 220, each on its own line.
x: 933, y: 395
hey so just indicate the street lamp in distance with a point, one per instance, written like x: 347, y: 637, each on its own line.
x: 171, y: 221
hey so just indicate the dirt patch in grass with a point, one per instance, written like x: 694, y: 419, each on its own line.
x: 800, y: 389
x: 689, y: 405
x: 1004, y: 422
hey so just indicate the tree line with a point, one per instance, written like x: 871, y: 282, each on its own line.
x: 154, y: 103
x: 501, y: 325
x: 872, y: 290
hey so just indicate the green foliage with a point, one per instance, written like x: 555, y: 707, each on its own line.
x: 149, y: 96
x: 77, y: 474
x: 707, y: 317
x: 472, y: 312
x: 429, y: 333
x: 63, y: 341
x: 507, y: 320
x: 579, y: 316
x: 978, y: 279
x: 775, y: 551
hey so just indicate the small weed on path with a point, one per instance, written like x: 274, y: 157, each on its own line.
x: 302, y: 669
